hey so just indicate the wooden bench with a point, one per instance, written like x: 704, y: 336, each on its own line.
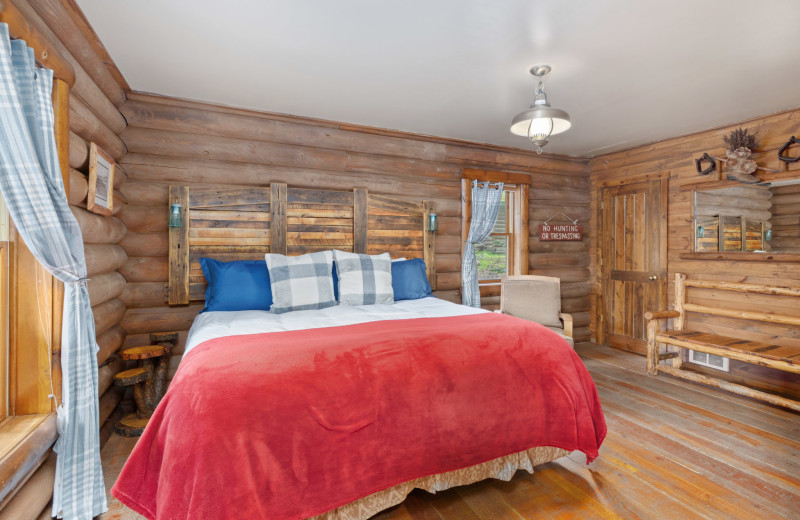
x: 780, y: 357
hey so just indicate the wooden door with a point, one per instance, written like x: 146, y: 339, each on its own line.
x: 633, y: 263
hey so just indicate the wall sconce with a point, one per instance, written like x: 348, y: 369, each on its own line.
x: 175, y: 219
x: 433, y: 223
x: 768, y: 235
x: 701, y: 232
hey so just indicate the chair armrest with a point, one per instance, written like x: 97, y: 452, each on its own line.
x: 567, y: 319
x: 661, y: 315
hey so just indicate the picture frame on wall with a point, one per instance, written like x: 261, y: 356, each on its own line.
x: 101, y: 181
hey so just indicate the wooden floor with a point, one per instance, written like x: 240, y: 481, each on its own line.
x: 674, y: 451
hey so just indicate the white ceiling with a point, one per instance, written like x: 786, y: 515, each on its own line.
x: 628, y: 71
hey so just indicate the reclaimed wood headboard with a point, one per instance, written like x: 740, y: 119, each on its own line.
x: 245, y: 223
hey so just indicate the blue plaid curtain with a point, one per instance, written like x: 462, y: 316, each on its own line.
x: 31, y: 183
x: 485, y: 204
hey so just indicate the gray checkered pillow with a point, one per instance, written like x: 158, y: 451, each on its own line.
x: 364, y: 279
x: 301, y: 282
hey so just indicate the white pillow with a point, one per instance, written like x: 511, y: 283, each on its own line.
x: 300, y: 282
x: 364, y: 279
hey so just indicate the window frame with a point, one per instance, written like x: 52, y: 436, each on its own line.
x: 518, y: 258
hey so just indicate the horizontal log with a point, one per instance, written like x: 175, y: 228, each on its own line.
x: 147, y: 294
x: 108, y: 402
x: 566, y: 274
x: 145, y: 219
x: 743, y: 287
x: 106, y: 373
x: 78, y: 187
x: 109, y: 342
x: 660, y: 315
x: 146, y: 244
x: 139, y: 321
x: 450, y: 295
x: 104, y: 287
x: 23, y: 459
x: 61, y: 22
x: 146, y: 193
x: 85, y: 123
x: 107, y: 314
x: 97, y: 229
x: 146, y: 269
x: 104, y: 258
x: 732, y: 387
x: 78, y: 152
x: 35, y: 494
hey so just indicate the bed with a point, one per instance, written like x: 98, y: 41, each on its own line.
x: 339, y: 412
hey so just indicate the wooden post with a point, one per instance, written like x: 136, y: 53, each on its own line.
x: 680, y: 321
x: 360, y: 221
x: 652, y: 347
x: 179, y: 249
x: 277, y: 221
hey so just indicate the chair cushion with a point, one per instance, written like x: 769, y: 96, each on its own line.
x: 533, y: 300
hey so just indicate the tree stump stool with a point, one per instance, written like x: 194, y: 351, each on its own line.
x: 149, y: 381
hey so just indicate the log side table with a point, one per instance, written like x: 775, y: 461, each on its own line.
x: 149, y: 381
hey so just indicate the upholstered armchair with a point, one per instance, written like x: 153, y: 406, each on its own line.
x: 536, y: 298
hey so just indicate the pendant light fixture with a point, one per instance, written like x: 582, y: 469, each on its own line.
x: 540, y: 121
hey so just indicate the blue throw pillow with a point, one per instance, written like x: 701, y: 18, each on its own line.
x: 409, y: 280
x: 241, y: 285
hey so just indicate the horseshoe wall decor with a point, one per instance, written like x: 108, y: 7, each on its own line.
x: 712, y: 164
x: 785, y: 147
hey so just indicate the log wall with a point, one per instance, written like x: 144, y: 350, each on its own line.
x: 675, y: 157
x: 93, y: 116
x: 172, y: 141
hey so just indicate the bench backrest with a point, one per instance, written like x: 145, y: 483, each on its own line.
x: 682, y: 306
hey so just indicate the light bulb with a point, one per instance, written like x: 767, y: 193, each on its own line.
x: 540, y: 129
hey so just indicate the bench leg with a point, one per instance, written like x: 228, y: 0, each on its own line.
x: 652, y: 347
x: 677, y: 361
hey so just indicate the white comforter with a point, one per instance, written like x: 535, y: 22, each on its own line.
x: 211, y: 325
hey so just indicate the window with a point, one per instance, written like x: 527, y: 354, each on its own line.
x: 505, y: 252
x: 494, y: 256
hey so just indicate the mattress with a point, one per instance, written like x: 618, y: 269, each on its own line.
x: 213, y: 325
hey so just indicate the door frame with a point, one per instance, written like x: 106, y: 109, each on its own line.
x: 606, y: 192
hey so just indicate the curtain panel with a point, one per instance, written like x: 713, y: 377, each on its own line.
x: 31, y: 183
x: 485, y: 205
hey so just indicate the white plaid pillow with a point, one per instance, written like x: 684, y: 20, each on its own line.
x: 364, y: 279
x: 301, y: 282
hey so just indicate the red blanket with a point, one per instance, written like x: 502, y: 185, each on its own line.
x: 288, y: 425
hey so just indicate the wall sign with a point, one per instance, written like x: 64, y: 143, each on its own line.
x: 560, y: 232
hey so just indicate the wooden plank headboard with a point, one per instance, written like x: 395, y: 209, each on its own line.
x: 245, y: 223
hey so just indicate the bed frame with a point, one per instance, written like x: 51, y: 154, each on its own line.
x: 245, y: 223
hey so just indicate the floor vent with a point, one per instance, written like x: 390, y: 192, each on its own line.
x: 709, y: 360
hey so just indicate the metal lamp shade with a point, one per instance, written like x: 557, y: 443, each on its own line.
x: 522, y: 122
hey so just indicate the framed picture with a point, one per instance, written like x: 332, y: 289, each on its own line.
x: 101, y: 181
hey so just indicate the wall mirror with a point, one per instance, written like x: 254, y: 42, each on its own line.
x: 748, y: 218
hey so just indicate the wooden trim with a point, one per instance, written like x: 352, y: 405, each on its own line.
x: 732, y: 387
x: 179, y: 249
x: 613, y: 183
x: 45, y: 52
x: 739, y: 256
x: 496, y: 176
x: 28, y: 451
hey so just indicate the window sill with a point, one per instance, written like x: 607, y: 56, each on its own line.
x: 739, y: 256
x: 25, y: 442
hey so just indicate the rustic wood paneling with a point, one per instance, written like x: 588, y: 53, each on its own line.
x: 675, y: 158
x: 172, y: 141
